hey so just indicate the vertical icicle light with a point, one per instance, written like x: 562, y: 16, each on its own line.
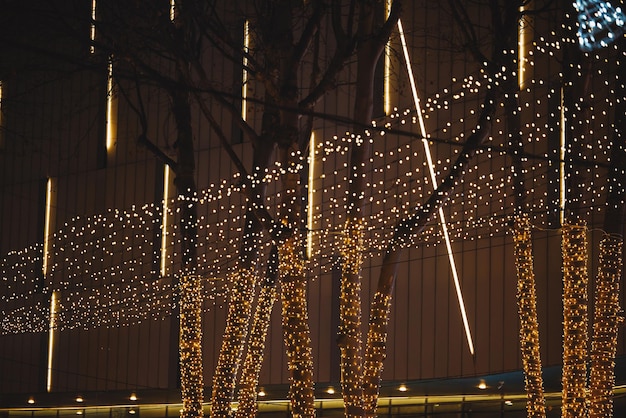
x: 575, y: 281
x: 166, y: 188
x: 310, y: 202
x: 92, y: 29
x: 52, y: 320
x: 529, y: 324
x: 111, y: 108
x: 244, y: 75
x: 607, y: 321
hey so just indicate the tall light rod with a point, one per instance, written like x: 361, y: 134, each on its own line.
x: 310, y: 191
x: 562, y: 151
x: 433, y: 177
x: 111, y: 107
x: 53, y: 296
x: 92, y: 31
x: 244, y: 77
x: 172, y: 9
x: 387, y: 68
x: 166, y: 193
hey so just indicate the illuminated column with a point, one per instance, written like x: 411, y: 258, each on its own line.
x: 254, y: 356
x: 433, y: 177
x: 165, y: 219
x: 172, y: 9
x: 111, y: 110
x: 607, y: 321
x: 575, y: 280
x: 524, y: 43
x: 52, y: 319
x: 190, y: 346
x: 529, y: 324
x: 310, y: 197
x: 244, y: 76
x: 241, y: 295
x: 387, y: 68
x: 92, y: 29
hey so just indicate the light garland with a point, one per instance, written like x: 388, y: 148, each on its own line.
x: 529, y: 323
x: 296, y: 331
x: 233, y: 341
x: 190, y: 346
x: 607, y: 320
x: 375, y: 353
x: 349, y: 339
x: 254, y: 356
x: 575, y: 281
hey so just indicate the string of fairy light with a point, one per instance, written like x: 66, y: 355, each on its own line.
x: 90, y: 261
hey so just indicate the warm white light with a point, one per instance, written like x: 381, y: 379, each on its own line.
x: 111, y: 108
x: 562, y: 144
x: 244, y: 80
x: 46, y: 226
x: 166, y: 192
x: 310, y: 206
x: 330, y: 390
x: 133, y: 396
x: 31, y: 400
x: 132, y: 411
x: 402, y: 388
x: 387, y: 69
x: 92, y: 33
x: 482, y: 385
x: 51, y: 331
x: 79, y: 399
x: 433, y: 177
x: 261, y: 393
x: 508, y: 402
x: 172, y: 9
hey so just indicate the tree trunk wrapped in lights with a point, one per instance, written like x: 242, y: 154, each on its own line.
x: 349, y: 339
x: 376, y: 350
x: 191, y: 382
x: 575, y: 281
x: 296, y: 327
x: 606, y: 323
x: 254, y: 356
x: 239, y: 311
x: 529, y: 324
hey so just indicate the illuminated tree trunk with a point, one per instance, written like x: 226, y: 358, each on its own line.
x: 254, y: 356
x: 575, y: 281
x: 190, y: 284
x: 529, y: 324
x: 607, y: 310
x: 375, y: 350
x: 239, y: 311
x: 296, y: 331
x: 607, y: 320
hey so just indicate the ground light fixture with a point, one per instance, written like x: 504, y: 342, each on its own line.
x: 31, y: 400
x: 330, y: 390
x: 402, y: 388
x: 79, y: 399
x: 133, y: 396
x: 261, y: 393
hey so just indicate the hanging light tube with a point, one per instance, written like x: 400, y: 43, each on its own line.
x: 166, y: 193
x: 310, y: 191
x: 433, y: 177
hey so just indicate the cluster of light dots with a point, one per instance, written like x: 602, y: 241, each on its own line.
x: 296, y: 332
x: 375, y: 350
x: 529, y: 322
x: 247, y: 406
x: 599, y: 23
x: 190, y: 347
x: 607, y: 320
x: 350, y: 343
x: 239, y: 311
x: 575, y: 299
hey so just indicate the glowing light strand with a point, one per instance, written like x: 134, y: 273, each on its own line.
x: 254, y: 356
x: 190, y: 346
x: 607, y: 321
x: 575, y: 281
x: 599, y: 23
x: 233, y: 340
x: 529, y: 323
x: 442, y: 217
